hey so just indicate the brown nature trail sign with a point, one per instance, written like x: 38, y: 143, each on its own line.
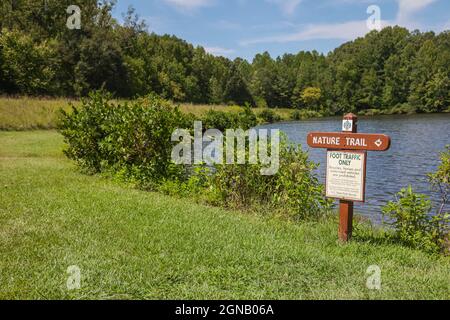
x: 349, y: 141
x: 346, y: 166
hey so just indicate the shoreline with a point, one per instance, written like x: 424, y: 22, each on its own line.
x: 41, y: 113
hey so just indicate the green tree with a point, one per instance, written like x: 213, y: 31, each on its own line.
x: 26, y: 67
x: 311, y: 97
x: 262, y: 78
x: 437, y: 92
x: 236, y: 90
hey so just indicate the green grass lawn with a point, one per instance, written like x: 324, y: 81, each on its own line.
x: 131, y: 244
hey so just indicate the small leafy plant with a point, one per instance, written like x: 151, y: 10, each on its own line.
x: 411, y: 217
x: 440, y: 180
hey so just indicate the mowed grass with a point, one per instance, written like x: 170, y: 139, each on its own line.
x: 40, y: 113
x: 131, y: 244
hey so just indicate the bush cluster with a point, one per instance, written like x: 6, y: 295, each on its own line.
x: 413, y: 219
x: 294, y: 191
x: 132, y: 141
x: 303, y: 114
x: 220, y: 120
x: 269, y: 116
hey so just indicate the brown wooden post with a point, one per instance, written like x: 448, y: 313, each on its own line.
x: 345, y: 220
x: 346, y: 207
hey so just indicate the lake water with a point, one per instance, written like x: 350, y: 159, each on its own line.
x: 417, y: 141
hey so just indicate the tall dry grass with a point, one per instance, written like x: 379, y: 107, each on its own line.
x: 28, y: 113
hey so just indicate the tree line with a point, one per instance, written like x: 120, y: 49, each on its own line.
x: 39, y: 55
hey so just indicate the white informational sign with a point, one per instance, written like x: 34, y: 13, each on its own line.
x: 346, y: 175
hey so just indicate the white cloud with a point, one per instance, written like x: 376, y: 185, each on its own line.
x: 347, y: 30
x: 189, y: 4
x: 407, y: 9
x: 287, y: 6
x: 218, y: 51
x: 344, y: 31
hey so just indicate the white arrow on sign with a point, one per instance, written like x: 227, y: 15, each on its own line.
x: 378, y: 143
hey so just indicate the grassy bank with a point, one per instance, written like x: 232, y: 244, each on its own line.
x: 30, y: 113
x: 134, y: 244
x: 33, y: 113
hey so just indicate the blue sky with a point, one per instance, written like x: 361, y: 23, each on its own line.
x: 242, y: 28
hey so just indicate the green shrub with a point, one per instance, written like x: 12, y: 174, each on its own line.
x: 296, y: 115
x: 412, y: 217
x: 132, y: 140
x: 412, y: 222
x: 293, y: 191
x: 303, y: 114
x: 214, y: 119
x: 268, y: 115
x: 193, y: 187
x: 440, y: 182
x: 228, y: 120
x: 260, y: 102
x: 247, y: 118
x: 440, y: 179
x: 83, y: 130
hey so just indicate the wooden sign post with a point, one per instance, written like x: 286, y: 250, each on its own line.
x: 349, y: 124
x: 346, y: 166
